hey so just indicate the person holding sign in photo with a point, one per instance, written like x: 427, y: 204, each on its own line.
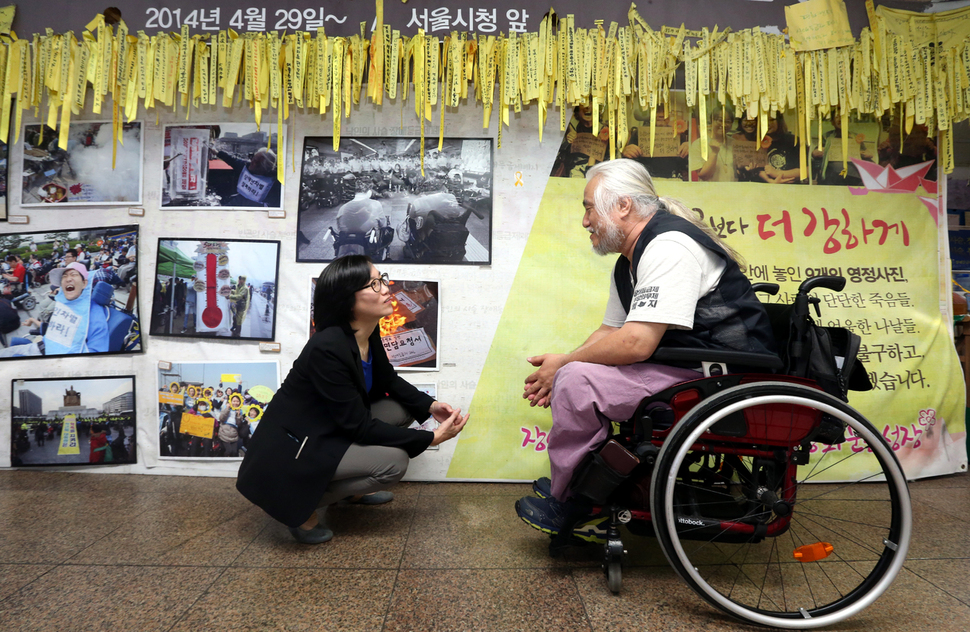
x: 719, y: 164
x: 337, y: 427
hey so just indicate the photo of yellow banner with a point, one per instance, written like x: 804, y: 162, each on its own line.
x: 196, y: 425
x: 884, y: 244
x: 165, y: 397
x: 69, y: 443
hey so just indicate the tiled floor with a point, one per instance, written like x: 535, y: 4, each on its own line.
x: 141, y: 553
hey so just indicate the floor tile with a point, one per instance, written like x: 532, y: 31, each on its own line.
x: 961, y: 479
x: 474, y: 532
x: 952, y: 501
x: 369, y: 537
x: 650, y: 599
x: 168, y: 522
x: 938, y: 535
x: 477, y: 489
x: 80, y: 598
x: 292, y: 600
x: 950, y: 576
x: 483, y: 600
x: 13, y: 577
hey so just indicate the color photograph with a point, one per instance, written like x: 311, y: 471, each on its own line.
x: 88, y: 172
x: 371, y: 197
x: 410, y: 334
x: 215, y: 289
x: 225, y: 165
x: 73, y: 421
x: 69, y: 292
x: 210, y: 410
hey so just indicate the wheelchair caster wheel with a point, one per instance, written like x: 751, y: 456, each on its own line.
x: 614, y: 577
x: 612, y: 565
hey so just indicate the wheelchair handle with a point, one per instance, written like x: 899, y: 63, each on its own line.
x: 834, y: 283
x: 767, y: 288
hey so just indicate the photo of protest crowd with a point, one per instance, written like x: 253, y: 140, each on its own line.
x: 92, y: 170
x: 72, y: 292
x: 662, y: 150
x: 371, y: 197
x: 211, y: 409
x: 410, y: 334
x: 209, y: 289
x: 73, y: 421
x: 229, y: 165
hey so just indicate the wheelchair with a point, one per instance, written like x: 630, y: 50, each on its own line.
x: 757, y: 484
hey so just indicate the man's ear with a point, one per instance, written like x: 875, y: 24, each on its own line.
x: 624, y: 207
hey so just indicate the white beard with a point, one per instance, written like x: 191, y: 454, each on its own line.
x: 610, y: 237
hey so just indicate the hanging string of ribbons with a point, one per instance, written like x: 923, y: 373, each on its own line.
x: 898, y: 64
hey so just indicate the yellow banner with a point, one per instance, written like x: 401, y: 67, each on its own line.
x: 196, y: 425
x: 230, y: 377
x: 878, y: 242
x: 69, y: 442
x: 165, y: 397
x: 948, y: 28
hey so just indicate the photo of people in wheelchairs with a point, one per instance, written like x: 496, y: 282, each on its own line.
x: 372, y: 197
x: 69, y: 292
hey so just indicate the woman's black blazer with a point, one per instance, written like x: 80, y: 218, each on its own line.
x: 323, y: 407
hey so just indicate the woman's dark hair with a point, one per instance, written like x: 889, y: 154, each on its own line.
x: 337, y: 286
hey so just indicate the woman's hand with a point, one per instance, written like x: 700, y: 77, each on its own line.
x: 449, y: 426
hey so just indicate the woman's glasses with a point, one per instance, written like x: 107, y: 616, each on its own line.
x: 375, y: 284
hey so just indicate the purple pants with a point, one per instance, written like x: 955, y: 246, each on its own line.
x: 586, y: 397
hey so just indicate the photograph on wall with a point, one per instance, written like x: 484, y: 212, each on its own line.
x: 210, y: 410
x: 215, y: 289
x: 410, y: 334
x: 867, y: 142
x: 734, y: 151
x: 429, y: 424
x: 225, y: 165
x: 87, y: 172
x: 371, y: 197
x: 662, y: 149
x: 73, y: 421
x: 69, y: 292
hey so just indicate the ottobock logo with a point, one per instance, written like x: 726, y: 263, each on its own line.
x: 697, y: 523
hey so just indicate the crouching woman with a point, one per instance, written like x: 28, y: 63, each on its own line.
x: 337, y: 427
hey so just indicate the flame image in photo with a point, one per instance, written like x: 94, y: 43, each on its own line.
x: 390, y: 324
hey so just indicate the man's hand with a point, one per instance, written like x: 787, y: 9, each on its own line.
x: 538, y: 386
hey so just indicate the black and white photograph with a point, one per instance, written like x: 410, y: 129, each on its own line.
x: 210, y: 410
x: 73, y: 421
x: 215, y: 289
x: 371, y: 197
x: 410, y: 334
x: 69, y: 292
x: 91, y: 171
x: 224, y: 165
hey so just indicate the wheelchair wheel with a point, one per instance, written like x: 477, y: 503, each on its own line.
x: 613, y: 564
x: 768, y: 533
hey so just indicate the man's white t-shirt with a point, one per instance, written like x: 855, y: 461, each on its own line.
x: 674, y: 273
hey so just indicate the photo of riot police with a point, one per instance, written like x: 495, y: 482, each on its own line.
x: 73, y: 421
x: 372, y: 197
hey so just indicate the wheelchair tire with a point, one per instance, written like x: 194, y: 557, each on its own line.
x: 29, y: 303
x: 756, y: 577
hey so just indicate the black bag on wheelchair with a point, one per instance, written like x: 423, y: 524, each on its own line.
x: 827, y: 355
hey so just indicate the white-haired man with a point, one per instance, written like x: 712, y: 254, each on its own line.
x: 675, y: 284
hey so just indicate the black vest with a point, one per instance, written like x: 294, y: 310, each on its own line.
x: 729, y: 317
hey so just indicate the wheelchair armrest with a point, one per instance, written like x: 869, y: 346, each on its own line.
x: 739, y: 358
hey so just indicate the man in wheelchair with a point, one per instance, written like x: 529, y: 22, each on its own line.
x: 675, y: 285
